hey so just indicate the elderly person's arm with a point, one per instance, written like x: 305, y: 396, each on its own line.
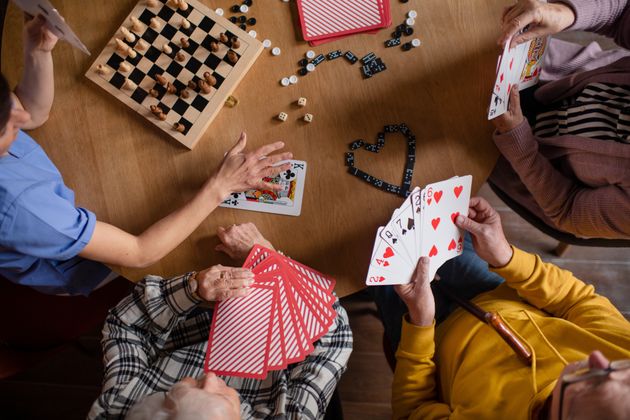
x: 137, y: 330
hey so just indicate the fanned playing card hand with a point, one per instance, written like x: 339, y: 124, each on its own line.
x: 424, y: 225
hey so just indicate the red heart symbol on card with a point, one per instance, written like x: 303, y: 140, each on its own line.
x: 458, y: 190
x: 452, y: 245
x: 501, y: 78
x: 454, y: 216
x: 385, y: 263
x: 380, y: 279
x: 435, y: 222
x: 437, y: 196
x: 511, y: 63
x: 388, y: 253
x: 428, y: 202
x: 433, y: 252
x: 461, y: 239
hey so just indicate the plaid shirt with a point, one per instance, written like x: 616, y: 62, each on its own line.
x: 159, y: 334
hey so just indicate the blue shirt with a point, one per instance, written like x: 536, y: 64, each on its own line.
x: 41, y: 230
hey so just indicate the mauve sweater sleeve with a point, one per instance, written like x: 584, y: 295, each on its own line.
x: 606, y: 17
x: 573, y: 207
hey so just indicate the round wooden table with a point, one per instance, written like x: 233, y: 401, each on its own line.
x: 131, y: 174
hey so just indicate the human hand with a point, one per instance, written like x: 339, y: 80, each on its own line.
x: 540, y: 19
x: 37, y: 36
x: 220, y: 283
x: 418, y: 296
x: 484, y: 224
x: 241, y: 171
x: 238, y: 240
x: 513, y: 117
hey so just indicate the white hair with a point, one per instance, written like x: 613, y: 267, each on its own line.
x: 152, y: 407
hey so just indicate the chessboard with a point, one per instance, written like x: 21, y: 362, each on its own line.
x: 175, y: 63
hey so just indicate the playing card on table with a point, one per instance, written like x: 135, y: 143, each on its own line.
x: 56, y: 23
x: 441, y: 238
x: 288, y: 200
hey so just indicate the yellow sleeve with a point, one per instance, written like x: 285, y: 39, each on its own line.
x: 558, y: 292
x: 414, y: 393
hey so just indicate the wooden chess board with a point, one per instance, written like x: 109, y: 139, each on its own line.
x: 195, y: 113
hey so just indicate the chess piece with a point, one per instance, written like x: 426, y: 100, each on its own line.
x: 129, y: 85
x: 214, y: 46
x: 156, y: 109
x: 166, y: 49
x: 210, y: 79
x: 223, y: 37
x: 136, y: 25
x: 184, y: 94
x: 235, y: 43
x: 182, y: 5
x: 102, y: 70
x: 128, y: 35
x: 204, y: 86
x: 121, y: 46
x: 179, y: 127
x: 161, y: 116
x: 184, y: 42
x: 232, y: 57
x: 185, y: 24
x: 170, y: 88
x: 192, y: 85
x: 155, y: 24
x: 142, y: 45
x: 154, y: 93
x: 152, y: 3
x: 131, y: 53
x: 180, y: 56
x: 161, y: 79
x: 124, y: 67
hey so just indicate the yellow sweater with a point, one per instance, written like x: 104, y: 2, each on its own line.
x: 463, y: 369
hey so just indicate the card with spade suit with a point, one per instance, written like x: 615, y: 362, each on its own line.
x: 287, y: 200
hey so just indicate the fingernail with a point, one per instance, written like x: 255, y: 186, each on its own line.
x: 424, y: 260
x: 460, y: 219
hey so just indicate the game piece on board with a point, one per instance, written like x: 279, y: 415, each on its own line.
x: 101, y: 69
x: 223, y: 38
x: 129, y: 85
x: 142, y: 45
x: 155, y: 24
x: 204, y: 87
x: 308, y: 118
x: 285, y: 81
x: 184, y: 94
x: 214, y: 46
x: 235, y: 43
x: 184, y: 42
x: 128, y: 35
x: 210, y: 79
x: 131, y: 53
x: 185, y: 24
x: 179, y: 56
x: 183, y: 6
x: 154, y: 93
x: 166, y: 49
x: 276, y: 51
x: 232, y: 57
x: 152, y: 3
x: 124, y: 67
x: 301, y: 101
x: 171, y: 88
x: 179, y: 127
x: 231, y: 102
x: 161, y: 80
x: 136, y: 25
x: 192, y: 85
x: 121, y: 46
x: 283, y: 116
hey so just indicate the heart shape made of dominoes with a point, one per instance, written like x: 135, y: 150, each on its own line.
x: 404, y: 187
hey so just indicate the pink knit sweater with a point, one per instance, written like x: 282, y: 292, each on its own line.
x: 575, y: 184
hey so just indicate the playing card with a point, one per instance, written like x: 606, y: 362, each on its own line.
x: 240, y: 334
x: 390, y: 235
x: 404, y: 226
x: 276, y: 359
x: 387, y: 266
x: 287, y: 201
x: 532, y: 67
x: 55, y: 22
x: 503, y: 83
x: 416, y: 204
x: 441, y: 238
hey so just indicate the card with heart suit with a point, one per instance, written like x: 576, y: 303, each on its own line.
x: 287, y: 200
x: 428, y: 218
x: 290, y: 306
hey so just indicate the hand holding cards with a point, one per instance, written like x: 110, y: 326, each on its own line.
x: 424, y: 225
x: 289, y: 308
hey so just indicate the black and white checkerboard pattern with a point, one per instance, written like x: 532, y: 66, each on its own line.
x: 204, y: 29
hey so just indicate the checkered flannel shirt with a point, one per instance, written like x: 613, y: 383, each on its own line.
x: 158, y: 335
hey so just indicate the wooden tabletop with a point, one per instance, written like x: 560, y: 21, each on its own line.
x: 131, y: 174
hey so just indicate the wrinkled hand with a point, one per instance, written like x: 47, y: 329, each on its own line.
x: 513, y: 117
x: 418, y: 296
x: 241, y: 171
x: 238, y: 240
x: 484, y: 224
x: 220, y: 283
x: 542, y: 18
x: 37, y: 36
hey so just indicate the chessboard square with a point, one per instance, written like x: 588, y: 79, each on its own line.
x: 212, y: 61
x: 166, y: 13
x: 160, y: 41
x: 186, y: 12
x: 163, y: 60
x: 174, y: 69
x: 195, y: 17
x: 223, y: 69
x: 202, y: 54
x: 144, y: 65
x: 180, y: 106
x: 152, y: 53
x: 187, y: 124
x: 155, y: 70
x: 134, y: 60
x: 192, y: 114
x: 179, y: 85
x: 117, y: 80
x: 168, y: 31
x: 216, y: 31
x: 139, y: 95
x: 136, y: 76
x: 169, y: 100
x: 192, y: 45
x: 186, y: 75
x: 207, y: 42
x: 198, y: 35
x: 150, y: 35
x: 200, y: 103
x: 114, y: 61
x: 161, y: 90
x: 206, y: 24
x: 220, y: 80
x: 193, y: 65
x: 146, y: 16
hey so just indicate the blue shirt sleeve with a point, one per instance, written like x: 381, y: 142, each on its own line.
x: 45, y: 225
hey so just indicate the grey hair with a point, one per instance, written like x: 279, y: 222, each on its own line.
x: 152, y: 407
